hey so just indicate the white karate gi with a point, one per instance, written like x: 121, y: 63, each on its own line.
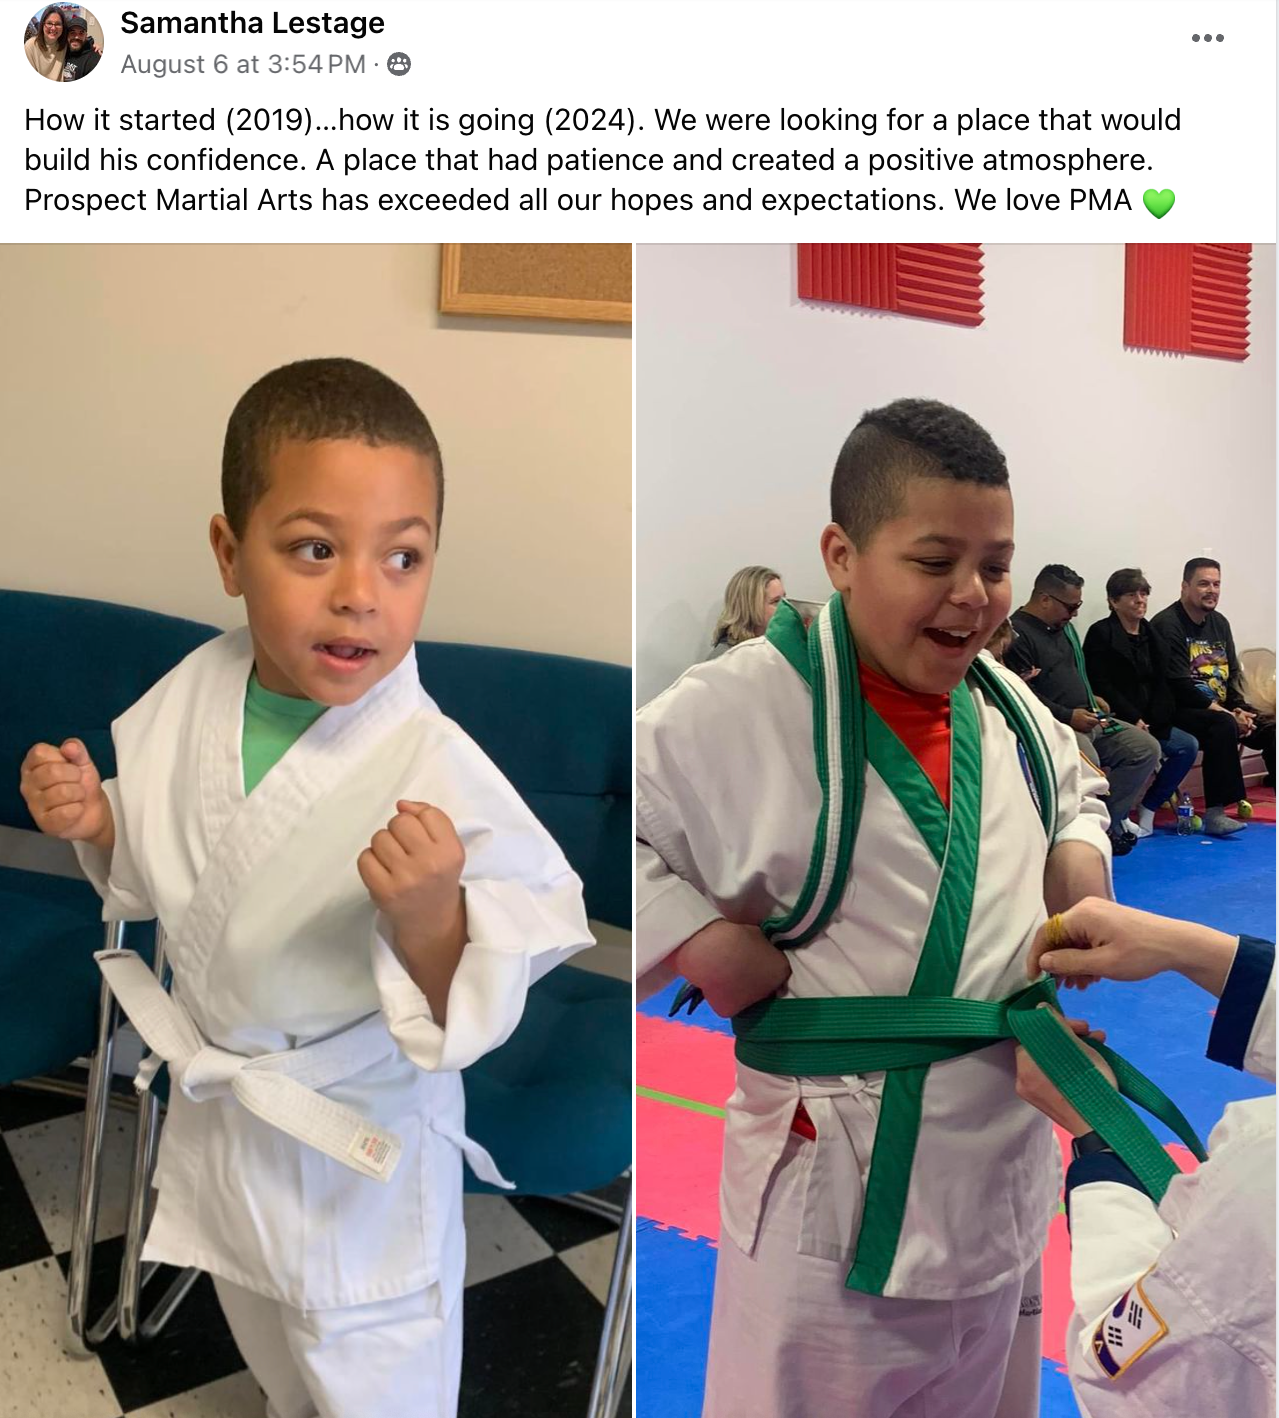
x: 275, y: 944
x: 1178, y: 1300
x: 727, y: 804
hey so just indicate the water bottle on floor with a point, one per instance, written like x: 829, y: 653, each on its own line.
x: 1185, y: 811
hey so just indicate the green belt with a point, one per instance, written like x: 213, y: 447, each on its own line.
x: 814, y: 1037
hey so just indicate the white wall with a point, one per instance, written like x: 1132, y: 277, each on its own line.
x: 1118, y: 458
x: 120, y: 364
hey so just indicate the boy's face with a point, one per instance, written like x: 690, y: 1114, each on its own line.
x: 931, y: 585
x: 334, y: 566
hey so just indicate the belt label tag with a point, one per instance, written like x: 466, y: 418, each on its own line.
x: 371, y: 1147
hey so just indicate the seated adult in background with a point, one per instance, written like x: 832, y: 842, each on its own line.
x: 750, y: 598
x: 1128, y: 664
x: 1046, y: 641
x: 1204, y: 673
x: 1001, y: 638
x: 1173, y: 1304
x: 997, y: 646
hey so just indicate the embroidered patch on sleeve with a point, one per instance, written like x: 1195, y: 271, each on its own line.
x: 1127, y: 1332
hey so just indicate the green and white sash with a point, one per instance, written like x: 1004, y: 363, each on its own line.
x: 1072, y: 639
x: 905, y: 1035
x: 847, y: 731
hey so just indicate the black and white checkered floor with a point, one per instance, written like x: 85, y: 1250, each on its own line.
x: 537, y: 1275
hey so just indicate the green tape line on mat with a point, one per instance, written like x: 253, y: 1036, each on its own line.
x: 675, y: 1101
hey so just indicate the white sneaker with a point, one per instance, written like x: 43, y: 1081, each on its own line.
x: 1131, y: 828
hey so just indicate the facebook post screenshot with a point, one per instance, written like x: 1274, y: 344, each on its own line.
x: 773, y: 915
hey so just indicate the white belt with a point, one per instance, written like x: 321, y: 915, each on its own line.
x: 279, y: 1088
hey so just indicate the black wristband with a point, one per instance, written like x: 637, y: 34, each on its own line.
x: 1088, y: 1142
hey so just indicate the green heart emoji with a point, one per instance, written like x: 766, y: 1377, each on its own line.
x: 1158, y: 204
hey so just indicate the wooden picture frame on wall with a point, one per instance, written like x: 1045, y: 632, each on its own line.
x: 537, y: 280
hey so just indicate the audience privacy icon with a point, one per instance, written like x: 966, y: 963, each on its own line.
x: 399, y: 63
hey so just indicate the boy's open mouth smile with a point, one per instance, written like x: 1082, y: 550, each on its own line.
x: 345, y: 655
x: 954, y: 642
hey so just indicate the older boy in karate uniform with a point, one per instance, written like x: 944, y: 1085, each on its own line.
x: 332, y: 971
x: 922, y: 870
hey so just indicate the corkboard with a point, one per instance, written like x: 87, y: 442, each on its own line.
x: 537, y: 280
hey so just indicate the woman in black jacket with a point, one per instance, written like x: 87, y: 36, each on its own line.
x: 1127, y: 666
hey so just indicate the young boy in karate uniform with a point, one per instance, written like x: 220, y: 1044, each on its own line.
x: 956, y: 846
x: 332, y: 970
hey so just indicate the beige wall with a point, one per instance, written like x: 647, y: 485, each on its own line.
x: 115, y: 401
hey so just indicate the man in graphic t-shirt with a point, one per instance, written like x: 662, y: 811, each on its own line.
x: 1203, y: 670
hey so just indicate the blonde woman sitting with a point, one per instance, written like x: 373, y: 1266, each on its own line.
x: 750, y: 598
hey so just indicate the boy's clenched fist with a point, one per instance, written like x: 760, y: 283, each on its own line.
x: 413, y: 870
x: 63, y: 793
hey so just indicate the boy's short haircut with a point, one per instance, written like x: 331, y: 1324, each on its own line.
x: 1126, y: 580
x: 1195, y: 563
x: 909, y: 438
x: 312, y: 400
x: 1056, y: 577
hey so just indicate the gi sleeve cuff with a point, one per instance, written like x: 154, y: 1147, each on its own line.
x: 96, y: 865
x: 515, y: 935
x: 1246, y: 988
x: 1117, y: 1234
x: 668, y: 910
x: 1090, y: 825
x: 113, y: 875
x: 1099, y: 1167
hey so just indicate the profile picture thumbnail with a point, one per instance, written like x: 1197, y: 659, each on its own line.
x: 63, y: 42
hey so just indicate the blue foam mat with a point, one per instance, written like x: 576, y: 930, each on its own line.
x: 674, y: 1282
x: 1056, y: 1398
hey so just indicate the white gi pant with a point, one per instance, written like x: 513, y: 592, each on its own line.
x: 789, y: 1340
x: 398, y: 1358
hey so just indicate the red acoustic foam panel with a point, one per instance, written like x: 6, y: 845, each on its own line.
x: 935, y: 281
x: 1191, y: 297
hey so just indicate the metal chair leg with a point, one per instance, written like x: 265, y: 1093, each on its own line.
x: 592, y: 1205
x: 133, y: 1276
x: 144, y: 1143
x: 167, y: 1304
x: 614, y: 1352
x: 105, y: 1325
x: 89, y: 1180
x: 125, y: 1310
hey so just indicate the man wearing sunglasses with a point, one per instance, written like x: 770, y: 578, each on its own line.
x: 1046, y: 642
